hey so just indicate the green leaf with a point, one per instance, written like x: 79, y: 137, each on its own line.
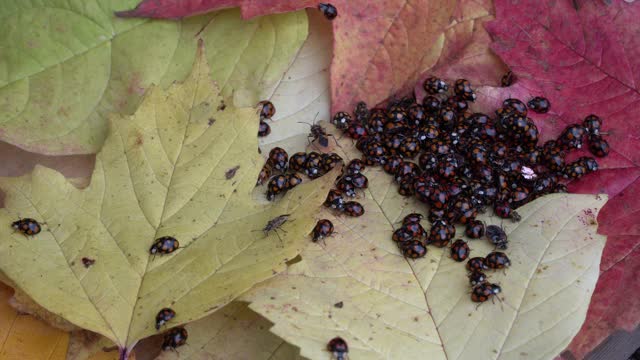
x: 394, y: 307
x: 66, y: 65
x: 162, y: 172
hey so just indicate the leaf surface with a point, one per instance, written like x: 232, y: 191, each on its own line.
x: 586, y: 60
x: 65, y: 65
x: 394, y: 308
x: 162, y: 172
x: 379, y: 48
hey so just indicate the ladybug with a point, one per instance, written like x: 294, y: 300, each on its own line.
x: 406, y: 168
x: 460, y: 250
x: 277, y: 185
x: 440, y: 147
x: 519, y: 196
x: 574, y: 170
x: 544, y: 184
x: 164, y: 245
x: 592, y: 124
x: 374, y: 149
x: 406, y: 186
x: 334, y: 200
x: 417, y: 116
x: 278, y: 159
x: 359, y: 181
x: 362, y: 112
x: 338, y: 347
x: 415, y: 229
x: 463, y: 210
x: 412, y: 218
x: 504, y: 210
x: 329, y: 11
x: 323, y: 229
x: 590, y: 163
x: 353, y: 208
x: 447, y: 118
x: 376, y: 124
x: 297, y: 161
x: 484, y: 291
x: 346, y: 187
x: 434, y: 85
x: 313, y: 165
x: 572, y: 136
x: 598, y: 146
x: 438, y: 197
x: 431, y: 104
x: 409, y: 147
x: 392, y: 143
x: 342, y: 120
x: 462, y: 88
x: 427, y: 134
x: 265, y: 173
x: 293, y: 180
x: 356, y: 131
x: 437, y: 214
x: 27, y: 226
x: 476, y: 264
x: 475, y: 229
x: 164, y: 316
x: 414, y: 249
x: 457, y: 103
x: 264, y: 129
x: 539, y: 104
x: 497, y: 236
x: 497, y: 260
x: 428, y: 161
x: 513, y: 106
x: 477, y: 277
x: 329, y: 161
x: 507, y: 79
x: 401, y: 235
x: 478, y: 154
x: 553, y: 158
x: 441, y: 233
x: 88, y: 262
x: 447, y: 167
x: 355, y: 166
x: 174, y: 338
x: 396, y: 114
x: 267, y: 110
x: 532, y: 156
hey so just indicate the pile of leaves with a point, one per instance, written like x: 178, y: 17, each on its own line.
x: 78, y: 80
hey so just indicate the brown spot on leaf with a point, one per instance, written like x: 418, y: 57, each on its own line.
x: 231, y: 172
x: 211, y: 121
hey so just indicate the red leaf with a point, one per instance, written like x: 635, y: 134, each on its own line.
x: 380, y: 47
x: 587, y: 60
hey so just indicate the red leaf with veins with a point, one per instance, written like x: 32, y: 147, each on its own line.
x: 586, y: 60
x: 380, y: 47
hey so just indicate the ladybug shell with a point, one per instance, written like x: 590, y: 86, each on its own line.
x: 434, y: 85
x: 497, y: 260
x: 477, y: 277
x: 415, y: 229
x: 338, y: 345
x: 401, y: 235
x: 497, y: 236
x: 514, y: 106
x: 460, y: 250
x: 431, y: 104
x: 592, y: 124
x: 27, y: 226
x: 293, y: 180
x: 482, y: 292
x: 164, y: 316
x: 174, y: 338
x: 164, y: 245
x: 334, y: 200
x: 359, y: 181
x: 476, y: 263
x: 475, y: 229
x: 278, y: 158
x: 297, y: 161
x: 276, y: 185
x: 463, y: 89
x: 539, y: 104
x: 322, y: 229
x: 406, y: 186
x: 392, y: 164
x: 414, y: 249
x: 346, y: 187
x: 263, y: 129
x: 441, y: 233
x: 342, y: 120
x: 507, y: 79
x: 412, y: 218
x: 329, y: 161
x: 356, y: 131
x: 598, y: 146
x: 265, y: 173
x: 267, y: 110
x: 355, y: 166
x: 353, y: 208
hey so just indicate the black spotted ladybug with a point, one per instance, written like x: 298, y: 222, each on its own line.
x: 406, y: 185
x: 353, y: 208
x: 460, y: 250
x: 413, y: 249
x: 164, y: 245
x: 513, y: 106
x: 27, y: 226
x: 447, y: 118
x: 431, y: 104
x: 342, y: 120
x: 441, y: 233
x: 278, y: 158
x: 164, y: 316
x: 297, y: 161
x: 572, y: 136
x: 355, y: 166
x: 412, y: 218
x: 415, y: 229
x: 484, y: 291
x: 313, y: 167
x: 356, y: 131
x: 264, y: 129
x: 428, y: 161
x: 329, y: 11
x: 277, y: 185
x: 462, y: 88
x: 434, y: 85
x: 293, y: 180
x: 477, y: 277
x: 406, y: 168
x: 267, y: 110
x: 497, y: 260
x: 409, y: 147
x: 439, y: 197
x: 334, y: 200
x: 504, y: 210
x: 437, y: 214
x: 401, y: 235
x: 539, y: 104
x: 592, y: 124
x: 417, y: 116
x: 476, y: 264
x: 174, y: 338
x: 338, y: 347
x: 362, y: 112
x: 323, y: 229
x: 265, y: 173
x: 475, y: 229
x: 590, y: 163
x: 574, y: 170
x: 507, y: 79
x: 346, y: 187
x: 598, y: 146
x: 497, y: 236
x: 457, y: 103
x: 330, y: 161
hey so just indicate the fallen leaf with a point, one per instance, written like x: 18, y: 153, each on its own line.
x: 160, y: 173
x: 25, y: 337
x: 586, y: 60
x: 379, y: 48
x: 233, y: 332
x: 398, y: 308
x: 66, y: 66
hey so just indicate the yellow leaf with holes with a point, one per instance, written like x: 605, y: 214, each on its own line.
x: 25, y: 337
x: 357, y: 285
x: 181, y: 166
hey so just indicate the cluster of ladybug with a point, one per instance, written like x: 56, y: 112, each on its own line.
x: 460, y: 162
x: 351, y: 180
x: 267, y: 111
x: 313, y: 164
